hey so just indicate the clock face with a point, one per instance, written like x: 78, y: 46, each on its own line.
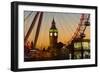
x: 55, y: 34
x: 50, y: 34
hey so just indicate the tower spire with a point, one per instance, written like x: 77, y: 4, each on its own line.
x: 53, y: 24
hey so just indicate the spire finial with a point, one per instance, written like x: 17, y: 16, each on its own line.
x: 53, y: 22
x: 53, y: 26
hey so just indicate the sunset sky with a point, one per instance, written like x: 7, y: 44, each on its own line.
x: 66, y: 24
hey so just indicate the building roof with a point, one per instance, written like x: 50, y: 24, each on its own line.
x: 53, y: 26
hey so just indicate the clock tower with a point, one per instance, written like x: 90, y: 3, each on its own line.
x: 53, y: 35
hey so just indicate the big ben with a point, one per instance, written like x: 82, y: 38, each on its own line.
x: 53, y: 34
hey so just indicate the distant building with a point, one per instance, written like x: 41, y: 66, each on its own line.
x: 53, y: 35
